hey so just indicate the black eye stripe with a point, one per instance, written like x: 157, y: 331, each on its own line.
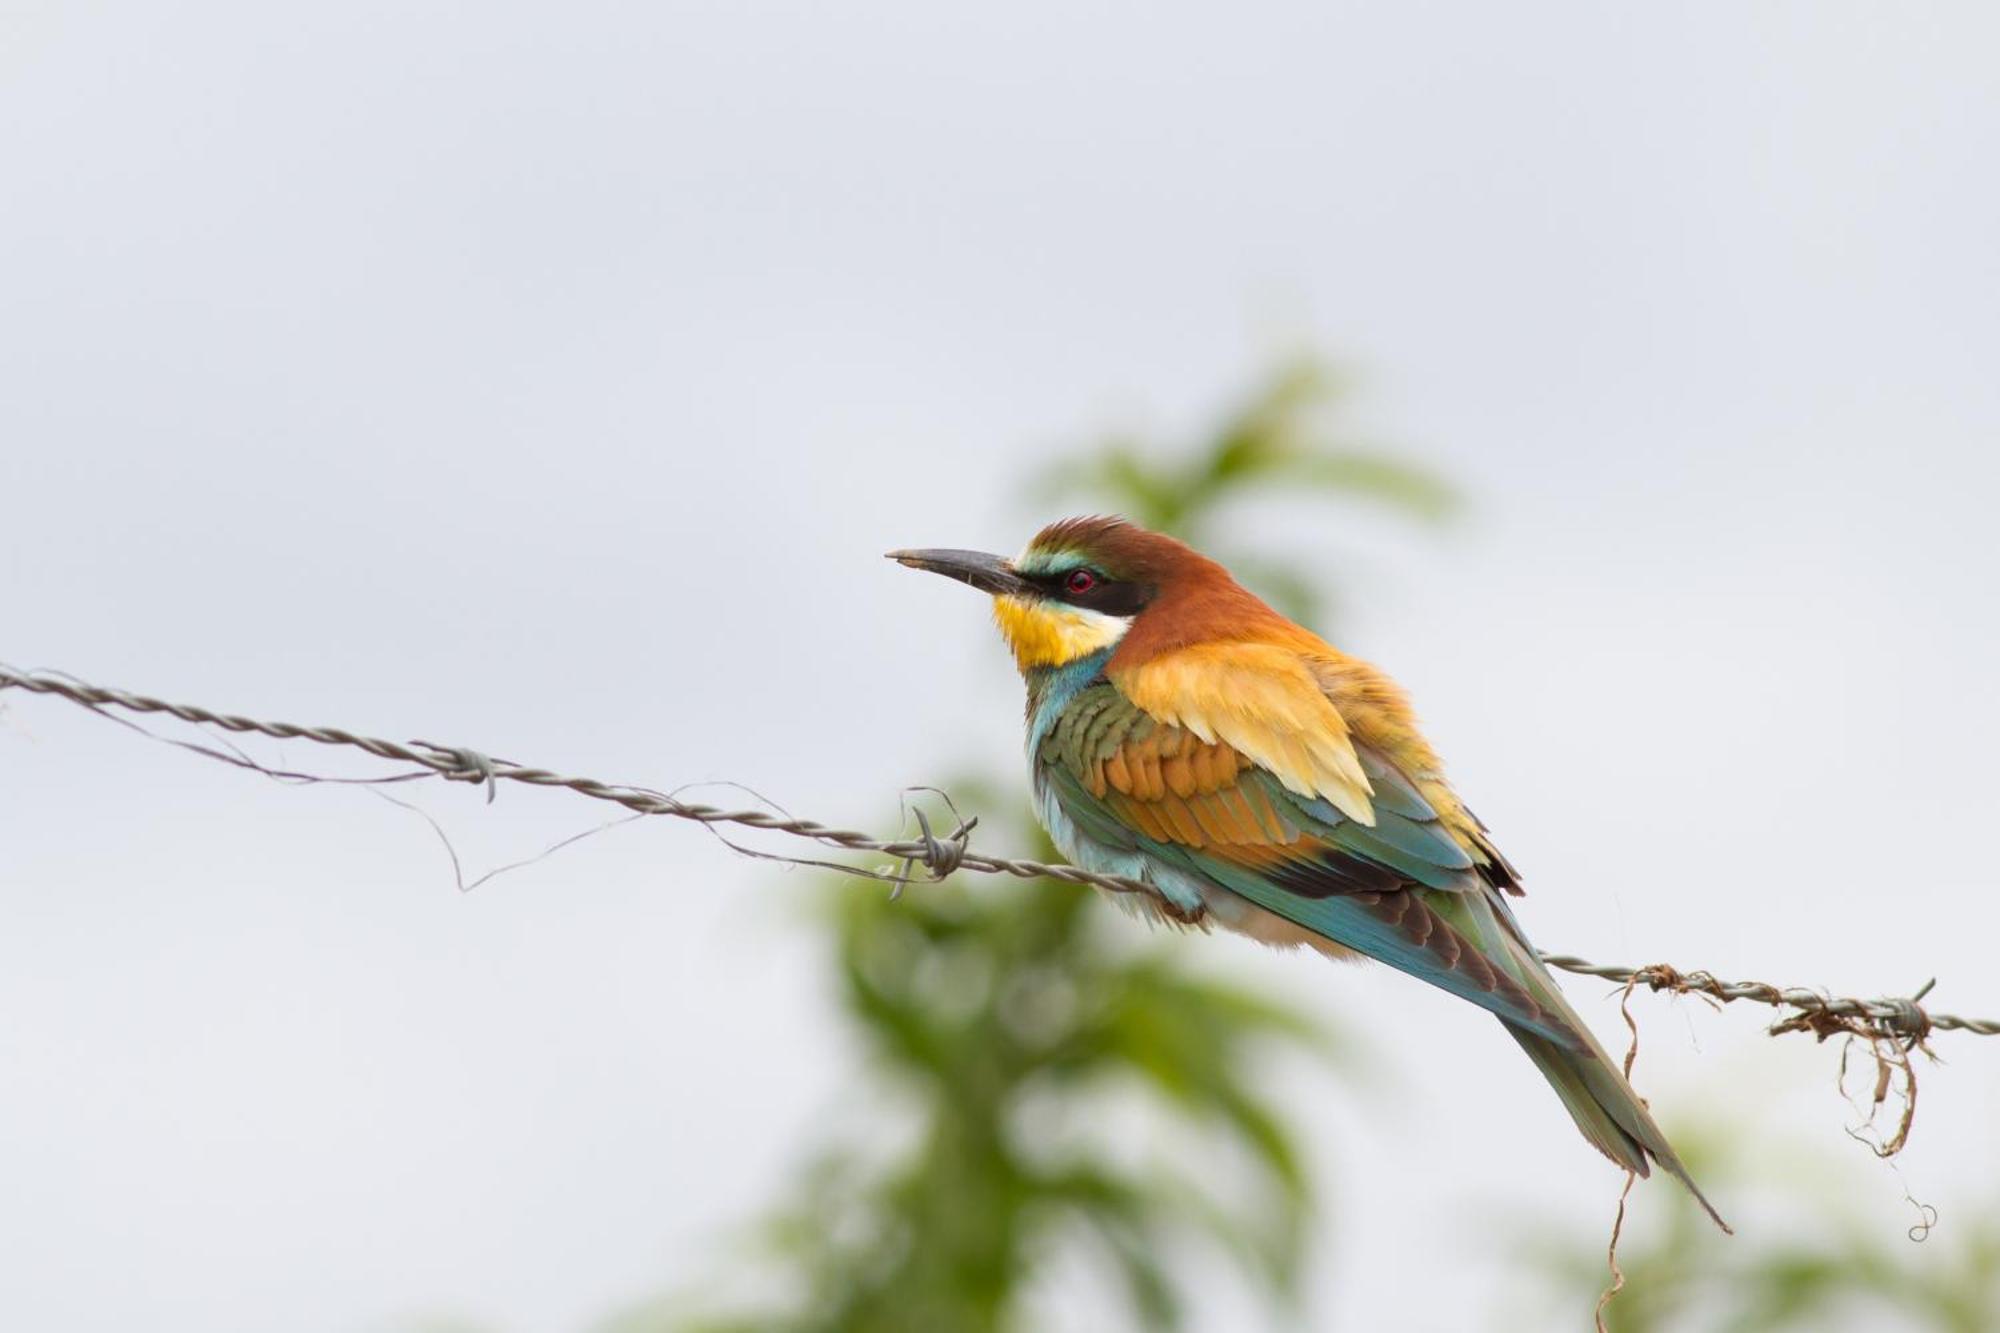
x: 1113, y: 597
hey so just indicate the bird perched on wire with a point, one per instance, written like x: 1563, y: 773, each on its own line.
x: 1184, y: 734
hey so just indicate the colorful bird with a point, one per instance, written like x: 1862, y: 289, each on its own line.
x: 1184, y: 734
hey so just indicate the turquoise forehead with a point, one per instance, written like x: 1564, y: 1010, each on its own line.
x: 1050, y: 562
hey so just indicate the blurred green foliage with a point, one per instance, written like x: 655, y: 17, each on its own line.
x: 1812, y: 1260
x: 1000, y: 1021
x: 1031, y: 1044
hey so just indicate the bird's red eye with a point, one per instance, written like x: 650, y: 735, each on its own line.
x: 1080, y: 580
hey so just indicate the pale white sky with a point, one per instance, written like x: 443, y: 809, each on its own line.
x: 550, y: 377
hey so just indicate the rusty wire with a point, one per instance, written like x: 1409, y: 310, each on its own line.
x: 1815, y: 1011
x: 1904, y: 1019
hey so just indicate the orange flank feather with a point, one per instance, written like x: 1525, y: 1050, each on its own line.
x: 1264, y: 700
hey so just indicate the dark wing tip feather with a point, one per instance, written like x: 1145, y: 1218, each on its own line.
x: 1413, y: 918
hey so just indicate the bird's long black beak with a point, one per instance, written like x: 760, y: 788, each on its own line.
x: 988, y: 573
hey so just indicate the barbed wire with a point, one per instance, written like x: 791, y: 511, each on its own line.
x: 1904, y: 1016
x: 941, y: 856
x: 1904, y: 1019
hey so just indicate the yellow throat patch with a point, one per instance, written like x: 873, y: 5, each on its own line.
x: 1047, y: 634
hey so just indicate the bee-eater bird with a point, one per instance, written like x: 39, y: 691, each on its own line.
x: 1183, y: 734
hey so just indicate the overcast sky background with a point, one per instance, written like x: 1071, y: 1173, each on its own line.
x: 551, y: 378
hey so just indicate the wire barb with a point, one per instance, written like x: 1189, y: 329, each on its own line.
x: 941, y: 856
x: 468, y: 765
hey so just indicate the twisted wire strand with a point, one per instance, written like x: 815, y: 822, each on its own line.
x: 941, y: 856
x: 454, y: 763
